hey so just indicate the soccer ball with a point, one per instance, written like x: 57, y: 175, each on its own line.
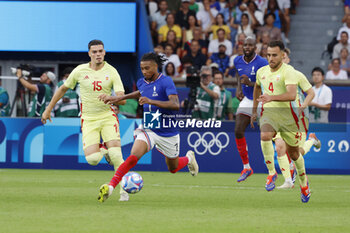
x: 132, y: 182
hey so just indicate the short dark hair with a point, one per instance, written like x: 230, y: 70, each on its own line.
x: 270, y: 14
x: 336, y: 59
x: 159, y: 59
x: 317, y: 69
x: 345, y: 32
x: 218, y: 72
x: 95, y: 42
x: 220, y: 29
x: 277, y: 43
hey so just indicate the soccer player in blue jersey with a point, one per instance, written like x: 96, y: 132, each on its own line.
x: 158, y: 95
x: 246, y: 67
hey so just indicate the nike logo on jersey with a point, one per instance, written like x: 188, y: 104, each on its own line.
x: 239, y: 69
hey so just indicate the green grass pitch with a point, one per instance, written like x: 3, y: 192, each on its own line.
x: 66, y: 201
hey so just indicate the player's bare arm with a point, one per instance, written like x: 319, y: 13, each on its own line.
x: 172, y: 103
x: 107, y: 99
x: 56, y: 97
x: 290, y: 95
x: 310, y: 94
x: 212, y: 94
x: 239, y: 93
x: 256, y: 93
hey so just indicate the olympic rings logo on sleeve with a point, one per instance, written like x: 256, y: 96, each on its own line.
x: 208, y: 146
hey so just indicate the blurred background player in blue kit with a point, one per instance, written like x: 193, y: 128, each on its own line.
x: 158, y: 95
x: 246, y: 67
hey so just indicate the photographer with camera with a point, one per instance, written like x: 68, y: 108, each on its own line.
x: 68, y: 106
x: 4, y: 102
x: 207, y: 96
x: 43, y: 91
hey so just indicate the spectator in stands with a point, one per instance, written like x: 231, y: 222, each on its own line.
x: 198, y: 59
x: 240, y: 38
x: 4, y: 102
x: 255, y: 14
x: 284, y: 6
x: 346, y: 7
x: 224, y: 109
x: 221, y: 59
x: 274, y: 32
x: 68, y: 105
x: 263, y: 51
x: 170, y: 70
x: 238, y: 51
x: 336, y: 73
x: 43, y: 91
x: 187, y: 32
x: 272, y: 7
x: 159, y: 49
x: 344, y: 60
x: 265, y: 39
x: 214, y: 44
x: 206, y: 16
x: 151, y: 8
x: 233, y: 14
x: 345, y: 28
x: 321, y: 104
x: 220, y: 23
x: 207, y: 96
x: 181, y: 17
x: 170, y: 25
x: 343, y: 43
x: 246, y: 27
x: 198, y: 36
x: 261, y: 4
x: 159, y: 19
x: 171, y: 57
x: 193, y: 6
x: 171, y: 39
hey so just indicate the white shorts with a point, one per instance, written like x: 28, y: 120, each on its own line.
x: 168, y: 146
x: 245, y: 107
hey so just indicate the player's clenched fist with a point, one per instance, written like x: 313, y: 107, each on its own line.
x: 144, y: 100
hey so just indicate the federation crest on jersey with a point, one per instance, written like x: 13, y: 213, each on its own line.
x: 253, y: 71
x: 278, y: 77
x: 107, y: 78
x: 154, y: 91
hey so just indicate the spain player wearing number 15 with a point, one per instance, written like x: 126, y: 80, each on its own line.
x: 97, y: 119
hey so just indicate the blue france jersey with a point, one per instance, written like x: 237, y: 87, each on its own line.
x: 250, y: 70
x: 159, y: 90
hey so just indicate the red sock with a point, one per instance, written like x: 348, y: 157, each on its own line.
x: 242, y: 149
x: 288, y: 158
x: 183, y: 161
x: 129, y: 163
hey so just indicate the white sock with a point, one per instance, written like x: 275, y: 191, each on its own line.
x: 246, y: 166
x: 289, y: 180
x: 110, y: 189
x: 189, y: 159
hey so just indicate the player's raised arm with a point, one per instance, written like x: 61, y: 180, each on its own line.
x: 56, y: 97
x: 173, y: 102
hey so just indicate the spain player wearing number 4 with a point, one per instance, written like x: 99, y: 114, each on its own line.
x: 97, y: 119
x: 158, y: 95
x: 276, y: 89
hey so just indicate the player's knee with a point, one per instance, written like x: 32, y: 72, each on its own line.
x: 239, y: 133
x: 93, y: 159
x: 265, y: 136
x: 280, y: 151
